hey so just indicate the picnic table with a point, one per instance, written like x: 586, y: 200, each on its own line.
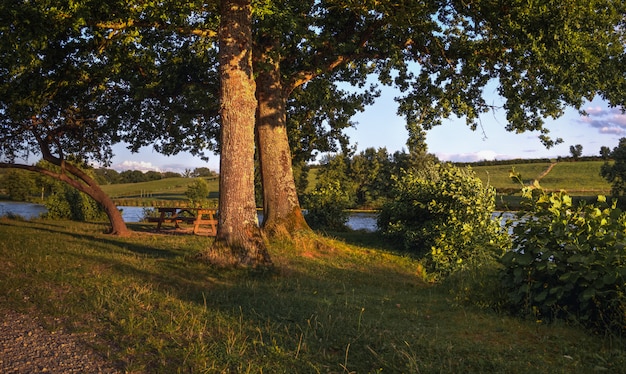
x: 196, y: 216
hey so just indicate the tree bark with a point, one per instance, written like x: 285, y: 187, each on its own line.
x: 83, y: 183
x: 239, y: 239
x: 282, y: 215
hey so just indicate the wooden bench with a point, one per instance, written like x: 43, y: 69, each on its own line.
x: 196, y: 216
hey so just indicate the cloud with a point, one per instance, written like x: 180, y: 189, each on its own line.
x: 135, y: 165
x: 606, y: 120
x: 483, y: 155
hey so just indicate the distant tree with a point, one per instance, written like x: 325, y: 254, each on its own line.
x: 370, y: 171
x: 18, y: 184
x: 171, y: 174
x: 187, y: 173
x: 132, y: 176
x: 152, y: 175
x: 605, y: 152
x: 107, y: 176
x: 202, y: 172
x: 615, y: 173
x: 576, y: 151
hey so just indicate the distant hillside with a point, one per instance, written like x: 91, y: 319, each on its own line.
x: 145, y: 193
x: 580, y: 178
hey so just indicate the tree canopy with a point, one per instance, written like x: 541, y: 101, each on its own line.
x: 91, y: 74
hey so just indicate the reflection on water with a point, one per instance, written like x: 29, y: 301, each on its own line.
x: 25, y: 210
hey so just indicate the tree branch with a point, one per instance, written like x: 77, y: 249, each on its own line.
x: 121, y: 25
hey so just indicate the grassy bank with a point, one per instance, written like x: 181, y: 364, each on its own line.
x: 328, y: 307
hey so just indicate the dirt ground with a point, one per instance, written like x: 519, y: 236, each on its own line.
x: 26, y: 346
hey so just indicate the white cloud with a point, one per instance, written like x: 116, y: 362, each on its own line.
x: 135, y: 165
x: 484, y: 155
x: 606, y: 120
x: 612, y: 130
x: 596, y: 110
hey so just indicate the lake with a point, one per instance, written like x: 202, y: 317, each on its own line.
x: 356, y: 221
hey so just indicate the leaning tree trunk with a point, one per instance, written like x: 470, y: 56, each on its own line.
x: 84, y: 183
x: 281, y: 208
x: 239, y: 239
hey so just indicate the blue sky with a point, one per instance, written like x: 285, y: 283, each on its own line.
x: 379, y: 126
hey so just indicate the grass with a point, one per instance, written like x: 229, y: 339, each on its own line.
x: 153, y: 193
x: 328, y: 307
x: 498, y: 175
x: 578, y: 178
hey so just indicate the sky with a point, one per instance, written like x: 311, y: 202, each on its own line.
x: 379, y: 126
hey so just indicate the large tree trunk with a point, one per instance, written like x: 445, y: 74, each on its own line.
x: 83, y: 183
x: 281, y: 208
x: 239, y: 239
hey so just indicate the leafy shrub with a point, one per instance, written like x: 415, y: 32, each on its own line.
x: 444, y: 214
x: 326, y: 206
x: 569, y: 261
x: 197, y: 192
x: 68, y: 203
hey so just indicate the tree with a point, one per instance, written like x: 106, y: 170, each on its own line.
x: 441, y: 55
x: 52, y: 96
x: 605, y: 152
x: 371, y: 172
x: 615, y: 173
x: 202, y: 172
x: 576, y: 151
x: 19, y: 185
x: 239, y: 239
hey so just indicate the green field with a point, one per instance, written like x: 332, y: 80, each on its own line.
x: 328, y: 307
x: 147, y: 193
x: 577, y: 178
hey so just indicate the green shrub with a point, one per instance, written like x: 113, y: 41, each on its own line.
x: 444, y: 214
x: 198, y: 192
x: 326, y: 206
x: 568, y: 261
x: 68, y: 203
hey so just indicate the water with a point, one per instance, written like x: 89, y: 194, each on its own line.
x: 357, y: 221
x: 25, y: 210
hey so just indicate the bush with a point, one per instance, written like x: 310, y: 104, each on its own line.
x: 197, y: 192
x: 68, y: 203
x: 444, y: 214
x: 568, y: 261
x: 326, y: 206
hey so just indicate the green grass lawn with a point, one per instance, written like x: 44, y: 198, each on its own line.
x: 328, y: 307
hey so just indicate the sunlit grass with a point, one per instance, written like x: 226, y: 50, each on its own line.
x: 329, y: 306
x: 164, y: 189
x: 498, y: 175
x: 579, y: 178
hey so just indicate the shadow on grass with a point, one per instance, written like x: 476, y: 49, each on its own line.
x: 367, y: 239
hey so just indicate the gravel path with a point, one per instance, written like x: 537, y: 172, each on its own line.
x: 27, y: 347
